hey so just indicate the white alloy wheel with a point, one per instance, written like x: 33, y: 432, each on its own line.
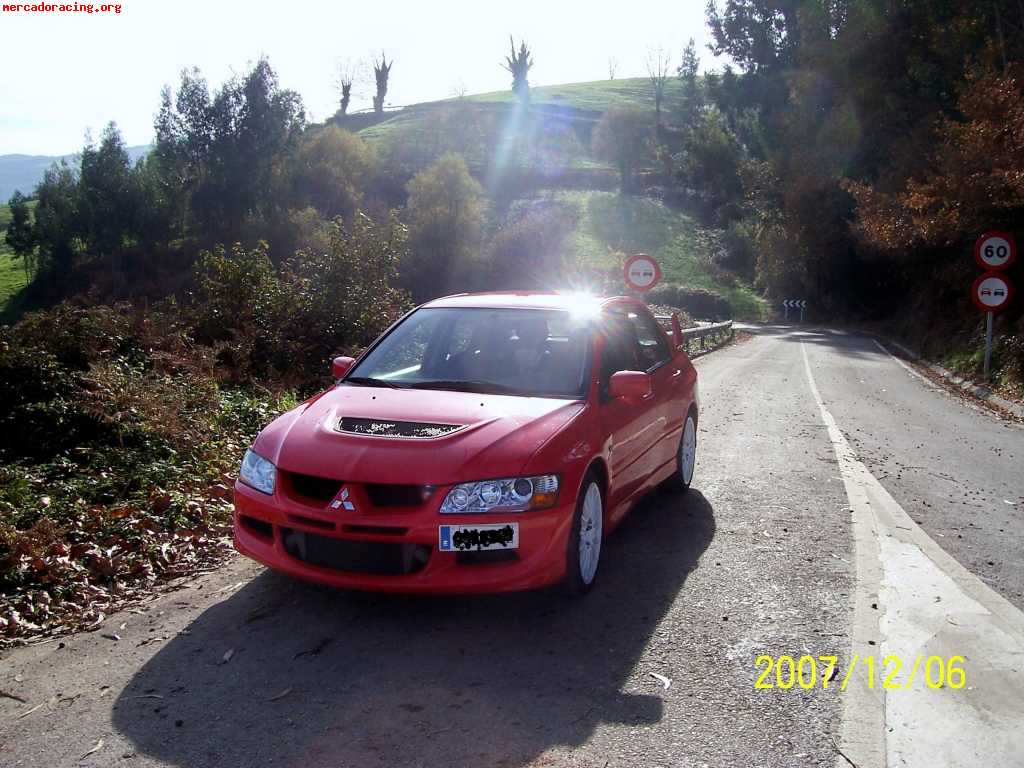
x: 688, y: 451
x: 591, y: 522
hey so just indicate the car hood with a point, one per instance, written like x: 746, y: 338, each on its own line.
x: 493, y: 435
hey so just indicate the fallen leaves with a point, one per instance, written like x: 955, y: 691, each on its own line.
x: 315, y: 650
x: 666, y: 682
x: 281, y: 695
x: 101, y: 560
x: 30, y: 711
x: 96, y: 748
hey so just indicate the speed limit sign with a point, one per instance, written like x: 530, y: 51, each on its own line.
x: 995, y: 250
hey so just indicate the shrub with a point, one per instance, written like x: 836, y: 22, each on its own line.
x: 696, y: 302
x: 331, y: 168
x: 530, y: 250
x: 115, y: 435
x: 445, y: 214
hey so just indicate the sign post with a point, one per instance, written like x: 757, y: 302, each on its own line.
x: 993, y: 251
x: 991, y: 293
x: 794, y: 303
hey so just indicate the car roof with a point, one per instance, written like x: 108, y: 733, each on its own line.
x: 566, y: 301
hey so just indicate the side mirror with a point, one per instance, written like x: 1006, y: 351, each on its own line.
x: 340, y: 366
x: 631, y: 385
x: 677, y: 331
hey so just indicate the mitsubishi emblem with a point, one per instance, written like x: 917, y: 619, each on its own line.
x: 341, y: 500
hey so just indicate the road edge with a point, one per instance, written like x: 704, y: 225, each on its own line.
x: 981, y: 392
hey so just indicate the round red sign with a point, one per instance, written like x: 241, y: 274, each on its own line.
x: 641, y: 272
x: 995, y: 250
x: 992, y: 292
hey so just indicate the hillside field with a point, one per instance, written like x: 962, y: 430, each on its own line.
x: 612, y: 224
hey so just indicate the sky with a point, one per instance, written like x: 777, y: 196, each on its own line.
x: 67, y: 73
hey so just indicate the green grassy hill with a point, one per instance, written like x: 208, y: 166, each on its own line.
x: 473, y: 122
x: 596, y: 96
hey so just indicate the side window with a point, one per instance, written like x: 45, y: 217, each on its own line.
x: 619, y: 352
x: 652, y: 349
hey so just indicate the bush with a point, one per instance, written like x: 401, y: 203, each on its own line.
x: 696, y: 302
x: 116, y: 434
x: 530, y: 250
x: 266, y: 325
x: 625, y: 136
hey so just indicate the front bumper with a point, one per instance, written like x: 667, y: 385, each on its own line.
x: 266, y: 529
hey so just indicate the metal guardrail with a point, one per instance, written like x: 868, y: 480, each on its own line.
x: 715, y: 331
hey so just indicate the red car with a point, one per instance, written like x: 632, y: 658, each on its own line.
x: 484, y: 443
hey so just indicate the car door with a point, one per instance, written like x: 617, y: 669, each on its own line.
x: 654, y: 354
x: 630, y: 427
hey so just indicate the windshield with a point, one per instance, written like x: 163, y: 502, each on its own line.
x: 541, y: 353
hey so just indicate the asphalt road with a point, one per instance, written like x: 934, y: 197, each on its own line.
x: 246, y: 668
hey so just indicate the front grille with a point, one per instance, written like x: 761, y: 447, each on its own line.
x: 319, y: 488
x: 376, y: 557
x: 379, y: 428
x: 387, y: 495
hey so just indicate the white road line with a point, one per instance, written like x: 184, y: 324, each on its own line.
x: 906, y: 367
x: 927, y: 605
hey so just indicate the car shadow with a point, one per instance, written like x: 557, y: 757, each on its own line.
x: 320, y: 677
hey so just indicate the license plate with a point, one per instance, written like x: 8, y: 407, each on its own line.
x: 476, y: 538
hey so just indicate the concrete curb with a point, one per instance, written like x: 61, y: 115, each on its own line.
x: 980, y: 392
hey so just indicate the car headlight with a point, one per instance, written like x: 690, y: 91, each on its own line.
x: 258, y: 473
x: 513, y: 494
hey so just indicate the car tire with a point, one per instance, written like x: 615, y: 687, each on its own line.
x: 686, y: 456
x: 585, y: 539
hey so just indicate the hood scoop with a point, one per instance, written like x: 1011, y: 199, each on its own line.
x: 387, y: 428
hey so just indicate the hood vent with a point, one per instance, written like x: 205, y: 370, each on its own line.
x: 382, y: 428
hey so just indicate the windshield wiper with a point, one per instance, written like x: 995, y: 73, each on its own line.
x: 369, y: 381
x: 469, y: 385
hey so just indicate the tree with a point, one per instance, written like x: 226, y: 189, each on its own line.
x: 223, y: 153
x: 709, y: 164
x: 624, y: 136
x: 381, y: 72
x: 57, y: 223
x: 658, y: 65
x: 445, y: 214
x: 690, y: 64
x: 518, y: 64
x: 613, y: 67
x: 108, y: 192
x: 345, y: 76
x: 331, y: 169
x: 688, y: 71
x: 756, y: 34
x: 20, y: 236
x: 968, y: 185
